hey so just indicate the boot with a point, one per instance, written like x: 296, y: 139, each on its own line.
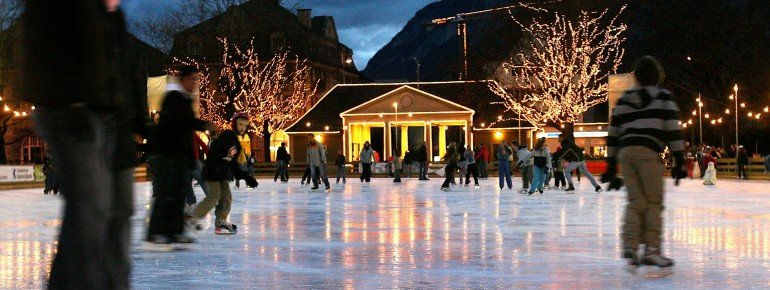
x: 653, y: 257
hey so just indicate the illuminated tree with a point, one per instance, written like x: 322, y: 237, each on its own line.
x: 273, y: 92
x: 562, y: 68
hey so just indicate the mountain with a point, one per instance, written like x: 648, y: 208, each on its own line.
x: 437, y: 49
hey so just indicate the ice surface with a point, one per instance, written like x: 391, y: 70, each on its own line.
x: 381, y: 235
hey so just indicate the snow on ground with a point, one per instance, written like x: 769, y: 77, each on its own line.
x: 381, y: 235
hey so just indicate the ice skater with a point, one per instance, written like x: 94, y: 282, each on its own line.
x: 51, y: 178
x: 576, y: 158
x: 398, y: 165
x: 316, y: 158
x: 541, y: 160
x: 367, y: 159
x: 222, y: 161
x: 282, y: 167
x: 524, y: 164
x: 504, y: 153
x: 245, y: 159
x: 710, y: 177
x: 339, y: 164
x: 470, y: 157
x: 643, y: 122
x: 174, y: 161
x: 451, y: 157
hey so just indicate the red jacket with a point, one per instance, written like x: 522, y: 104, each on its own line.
x: 198, y: 143
x: 482, y: 155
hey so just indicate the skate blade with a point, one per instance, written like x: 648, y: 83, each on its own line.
x: 653, y: 272
x: 164, y: 248
x: 226, y: 234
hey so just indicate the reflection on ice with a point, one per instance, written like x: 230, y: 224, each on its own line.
x: 414, y: 236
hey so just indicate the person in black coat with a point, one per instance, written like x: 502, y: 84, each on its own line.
x: 78, y: 69
x: 221, y: 162
x: 173, y: 160
x: 743, y: 161
x: 283, y: 158
x: 421, y: 157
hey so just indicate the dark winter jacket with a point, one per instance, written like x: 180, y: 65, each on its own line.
x: 743, y: 157
x: 570, y: 151
x: 482, y: 155
x: 282, y: 155
x: 422, y: 154
x: 76, y: 54
x: 409, y: 158
x: 176, y: 127
x: 340, y: 160
x: 217, y: 165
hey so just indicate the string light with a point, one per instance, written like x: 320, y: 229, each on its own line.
x: 564, y: 67
x: 272, y: 91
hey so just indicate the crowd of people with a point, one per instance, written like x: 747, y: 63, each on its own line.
x: 88, y: 111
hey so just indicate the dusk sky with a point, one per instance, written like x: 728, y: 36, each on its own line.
x: 363, y: 25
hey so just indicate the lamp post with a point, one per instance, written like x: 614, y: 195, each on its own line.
x: 395, y: 106
x: 345, y: 62
x: 700, y: 119
x: 737, y: 143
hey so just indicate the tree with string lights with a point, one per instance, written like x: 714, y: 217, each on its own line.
x: 272, y: 92
x: 563, y: 66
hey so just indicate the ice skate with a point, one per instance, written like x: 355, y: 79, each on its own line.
x: 570, y: 189
x: 192, y: 223
x: 445, y: 189
x: 598, y: 189
x: 633, y: 261
x: 656, y: 265
x: 225, y: 228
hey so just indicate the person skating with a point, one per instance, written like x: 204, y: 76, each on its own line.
x: 51, y: 178
x: 470, y: 157
x: 637, y: 145
x: 282, y: 167
x: 558, y: 171
x: 462, y: 165
x: 222, y: 161
x: 451, y: 157
x: 422, y: 159
x: 504, y: 153
x: 482, y: 159
x: 710, y: 176
x: 174, y: 160
x: 245, y: 159
x: 524, y: 164
x: 76, y: 68
x: 367, y: 158
x: 408, y: 162
x: 742, y: 161
x: 339, y: 164
x: 397, y: 165
x: 306, y: 175
x: 201, y: 149
x: 316, y: 158
x: 541, y: 160
x: 576, y: 160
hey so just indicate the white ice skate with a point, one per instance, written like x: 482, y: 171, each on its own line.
x: 226, y: 228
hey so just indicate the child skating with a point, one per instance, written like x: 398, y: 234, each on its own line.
x: 643, y: 122
x: 222, y: 160
x: 710, y: 177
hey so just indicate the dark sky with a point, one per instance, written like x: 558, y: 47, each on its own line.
x: 363, y: 25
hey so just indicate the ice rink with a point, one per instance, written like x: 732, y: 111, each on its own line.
x: 411, y: 235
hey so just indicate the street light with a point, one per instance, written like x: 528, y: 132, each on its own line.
x: 395, y: 106
x: 737, y: 143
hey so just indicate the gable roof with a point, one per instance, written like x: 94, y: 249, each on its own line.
x: 473, y: 95
x: 401, y: 89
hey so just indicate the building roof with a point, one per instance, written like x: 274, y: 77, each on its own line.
x: 260, y: 19
x: 474, y: 95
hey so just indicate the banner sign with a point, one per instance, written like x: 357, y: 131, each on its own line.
x: 19, y: 173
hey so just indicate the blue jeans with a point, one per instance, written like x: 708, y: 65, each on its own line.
x: 538, y: 178
x: 318, y: 174
x: 281, y: 170
x: 504, y: 172
x: 581, y: 166
x: 341, y: 172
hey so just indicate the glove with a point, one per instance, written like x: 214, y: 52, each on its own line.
x: 678, y: 171
x: 611, y: 175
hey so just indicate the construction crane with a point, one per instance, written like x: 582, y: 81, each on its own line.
x: 462, y: 31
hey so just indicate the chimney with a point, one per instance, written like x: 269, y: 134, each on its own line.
x: 303, y: 15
